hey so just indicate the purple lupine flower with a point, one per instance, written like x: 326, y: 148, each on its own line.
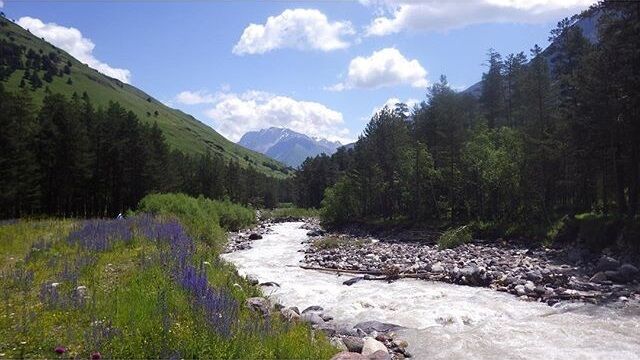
x: 60, y: 350
x: 96, y: 355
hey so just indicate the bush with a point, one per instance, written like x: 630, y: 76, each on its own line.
x: 289, y: 212
x: 455, y: 237
x: 206, y: 219
x: 597, y: 231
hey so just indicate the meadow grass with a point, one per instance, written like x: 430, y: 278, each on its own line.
x: 142, y: 287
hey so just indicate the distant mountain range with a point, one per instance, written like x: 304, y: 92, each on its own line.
x: 287, y: 146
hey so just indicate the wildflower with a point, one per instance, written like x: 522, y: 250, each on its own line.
x: 60, y: 350
x: 96, y: 356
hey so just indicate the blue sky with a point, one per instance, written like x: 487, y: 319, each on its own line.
x: 317, y: 67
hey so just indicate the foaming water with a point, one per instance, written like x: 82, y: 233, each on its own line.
x: 444, y: 321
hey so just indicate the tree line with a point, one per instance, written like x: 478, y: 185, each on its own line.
x: 551, y: 135
x: 69, y: 158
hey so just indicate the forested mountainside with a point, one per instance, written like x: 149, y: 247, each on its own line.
x: 32, y: 63
x: 77, y: 143
x: 287, y: 146
x: 535, y: 154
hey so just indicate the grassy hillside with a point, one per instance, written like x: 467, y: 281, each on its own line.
x: 183, y: 131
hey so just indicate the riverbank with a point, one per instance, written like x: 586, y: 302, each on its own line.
x: 534, y: 274
x: 439, y: 320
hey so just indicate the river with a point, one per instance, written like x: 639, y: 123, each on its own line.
x: 444, y: 321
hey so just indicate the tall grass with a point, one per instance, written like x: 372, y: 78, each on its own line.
x: 205, y: 219
x: 142, y: 287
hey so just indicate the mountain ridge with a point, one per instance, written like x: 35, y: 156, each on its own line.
x: 182, y: 131
x: 286, y: 145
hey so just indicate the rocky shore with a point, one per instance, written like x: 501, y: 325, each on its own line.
x: 538, y: 274
x: 532, y: 274
x: 370, y: 340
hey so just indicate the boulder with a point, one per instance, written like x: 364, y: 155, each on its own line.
x: 380, y: 355
x: 290, y: 315
x: 259, y: 305
x: 606, y: 263
x: 253, y: 280
x: 338, y: 344
x: 520, y: 290
x: 534, y: 275
x: 372, y: 345
x: 255, y: 236
x: 312, y: 308
x: 352, y: 280
x: 598, y: 277
x: 327, y: 329
x: 437, y: 268
x: 370, y: 326
x: 346, y: 355
x: 353, y: 343
x: 311, y: 318
x: 628, y: 272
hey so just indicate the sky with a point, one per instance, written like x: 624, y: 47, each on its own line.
x: 321, y: 68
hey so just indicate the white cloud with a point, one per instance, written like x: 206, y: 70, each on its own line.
x: 386, y: 67
x: 437, y: 15
x: 303, y: 29
x: 195, y: 97
x: 71, y: 40
x: 235, y: 114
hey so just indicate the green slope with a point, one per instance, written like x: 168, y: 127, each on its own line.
x: 183, y: 131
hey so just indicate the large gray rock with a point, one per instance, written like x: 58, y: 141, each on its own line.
x: 380, y: 355
x: 346, y: 355
x: 338, y: 344
x: 290, y: 314
x: 370, y: 326
x: 314, y: 308
x: 353, y: 343
x: 372, y: 345
x: 311, y: 318
x: 606, y: 263
x: 628, y: 272
x: 352, y: 280
x: 259, y: 305
x: 255, y: 236
x: 534, y: 275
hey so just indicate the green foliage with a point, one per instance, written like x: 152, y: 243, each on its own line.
x: 332, y: 242
x: 455, y: 237
x: 70, y: 159
x: 339, y: 204
x: 135, y: 308
x: 184, y: 133
x: 289, y: 212
x: 543, y: 141
x: 206, y: 219
x: 597, y: 231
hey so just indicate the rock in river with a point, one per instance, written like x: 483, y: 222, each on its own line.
x: 370, y: 326
x: 345, y: 355
x: 372, y: 345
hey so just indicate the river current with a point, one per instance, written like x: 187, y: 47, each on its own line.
x: 444, y: 321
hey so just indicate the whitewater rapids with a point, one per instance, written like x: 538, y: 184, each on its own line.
x: 444, y: 321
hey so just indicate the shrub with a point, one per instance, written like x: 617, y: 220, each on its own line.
x: 289, y: 212
x: 597, y: 231
x: 206, y: 219
x: 455, y: 237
